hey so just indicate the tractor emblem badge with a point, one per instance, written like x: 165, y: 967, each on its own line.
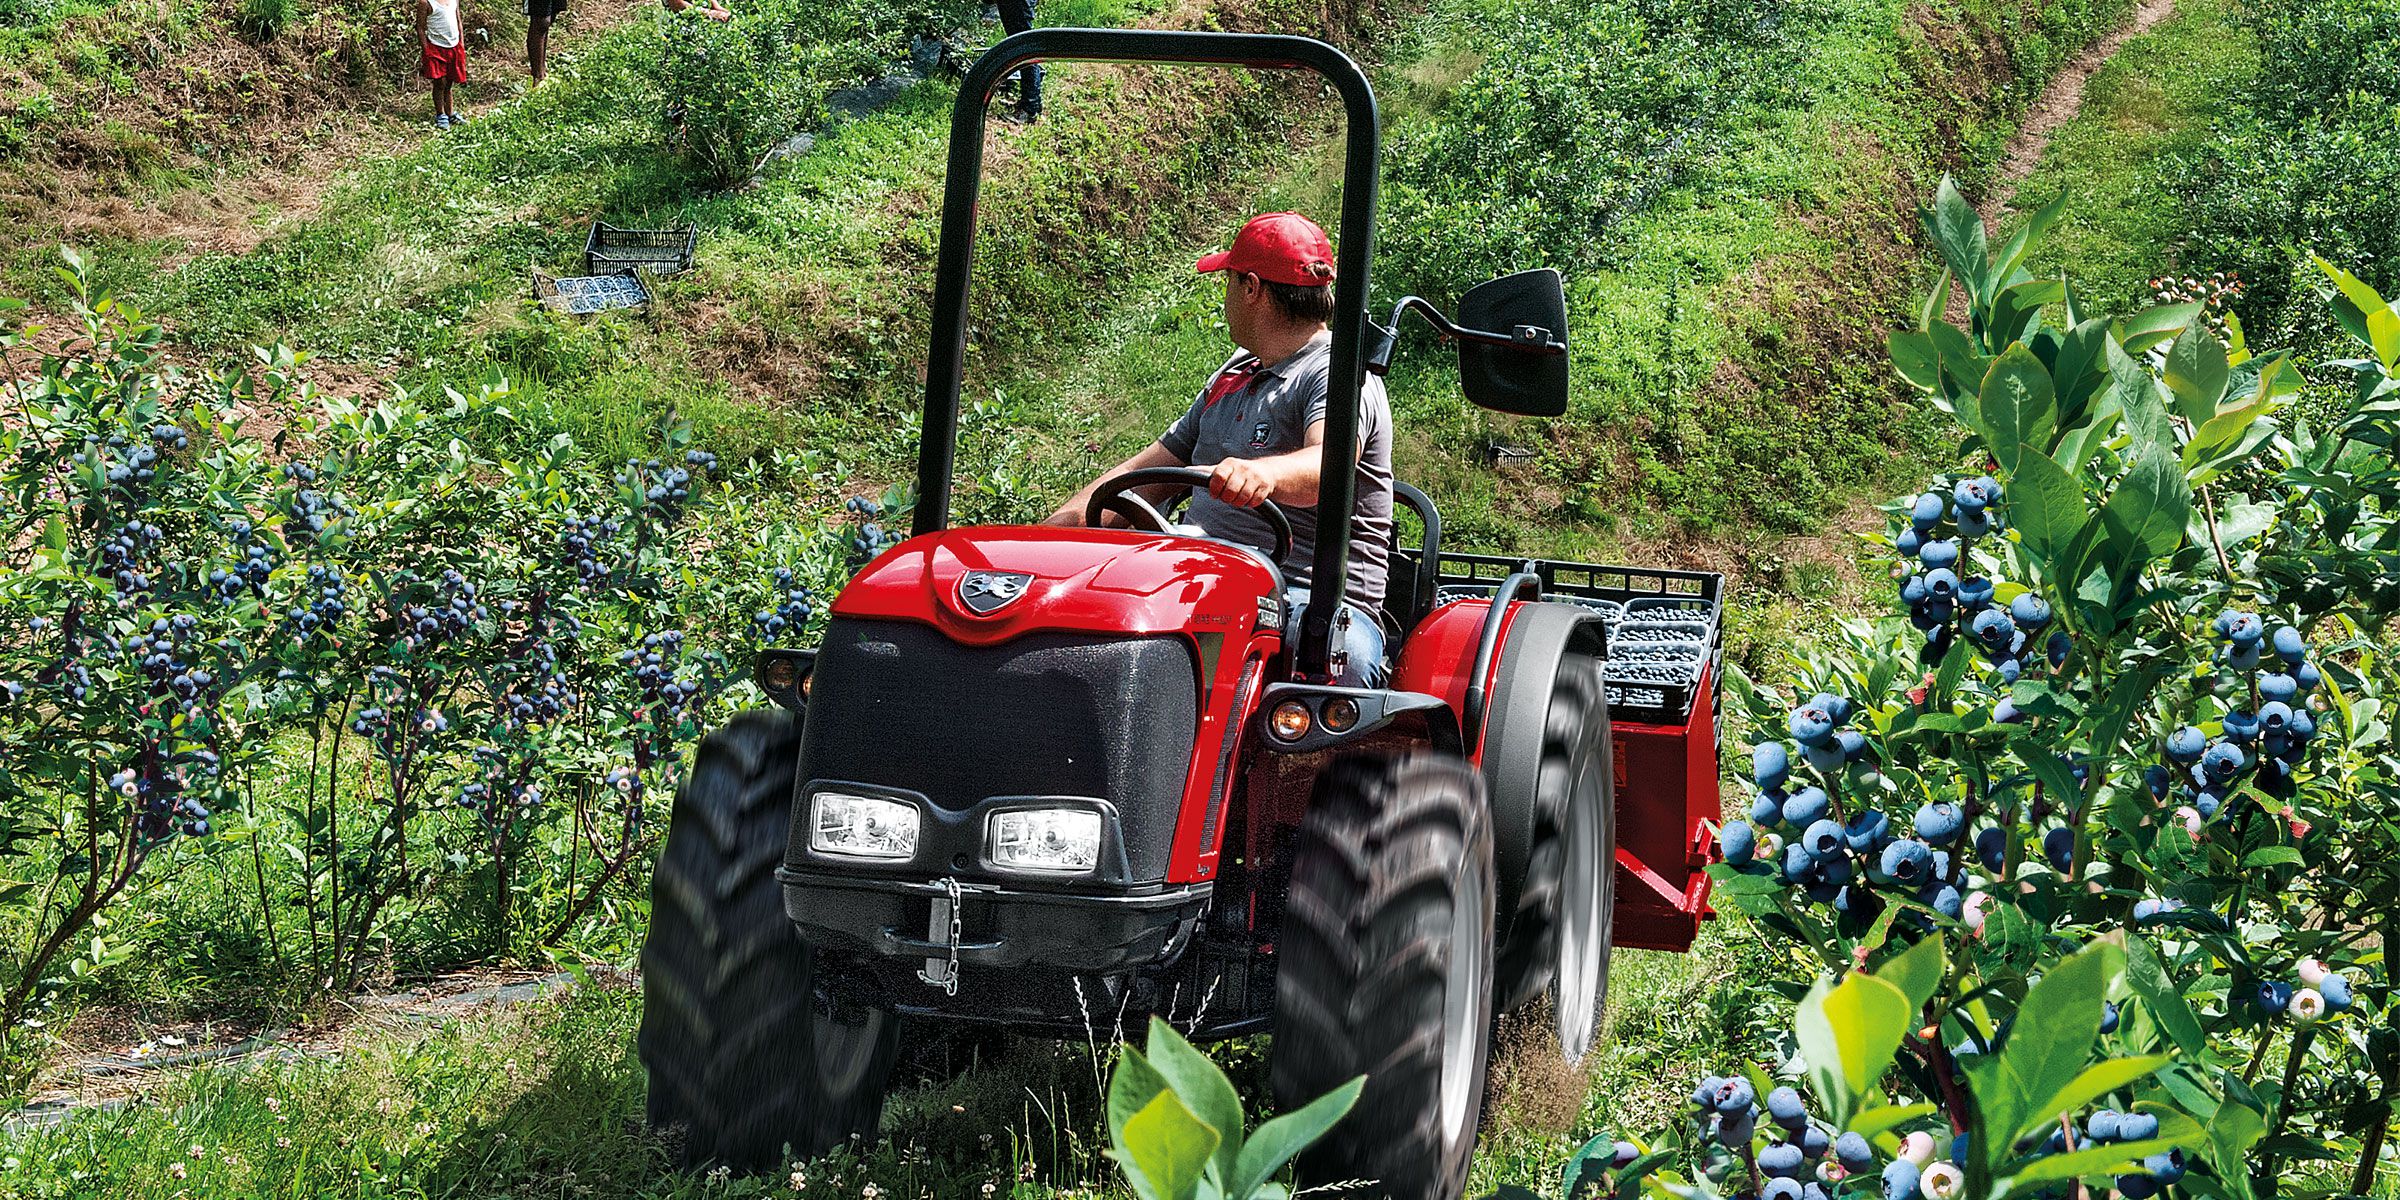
x: 987, y: 592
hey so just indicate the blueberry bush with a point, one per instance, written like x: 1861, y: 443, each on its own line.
x: 2093, y: 840
x: 403, y: 703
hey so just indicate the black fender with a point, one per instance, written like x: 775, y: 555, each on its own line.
x: 1539, y: 635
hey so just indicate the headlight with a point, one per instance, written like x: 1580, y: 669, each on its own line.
x: 862, y: 826
x: 1064, y: 841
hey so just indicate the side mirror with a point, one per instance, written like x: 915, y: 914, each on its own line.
x: 1527, y: 376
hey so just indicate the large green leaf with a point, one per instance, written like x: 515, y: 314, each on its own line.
x: 2367, y: 316
x: 2147, y: 513
x: 2020, y: 410
x: 1916, y: 971
x: 1164, y: 1149
x: 2046, y: 1052
x: 2047, y: 505
x: 2231, y: 1133
x: 2197, y: 372
x: 1276, y: 1142
x: 1131, y: 1088
x: 2155, y: 326
x: 2017, y: 310
x: 1917, y: 361
x: 2097, y: 1080
x: 2081, y: 369
x: 1887, y: 1117
x: 2164, y: 1000
x: 2136, y: 391
x: 1957, y: 232
x: 2012, y: 254
x: 1202, y: 1086
x: 1849, y: 1033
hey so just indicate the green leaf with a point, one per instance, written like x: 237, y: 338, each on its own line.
x: 2013, y: 253
x: 2162, y: 998
x: 2376, y: 323
x: 2081, y: 369
x: 1601, y: 1149
x: 1849, y: 1034
x: 2148, y: 512
x: 2020, y: 411
x: 2043, y: 1056
x: 1957, y: 232
x: 2047, y: 505
x: 1131, y: 1087
x: 1916, y: 971
x: 2231, y: 1133
x: 2272, y: 856
x: 2017, y: 310
x: 1164, y: 1148
x: 1736, y: 882
x: 1203, y: 1087
x: 1914, y: 357
x: 1276, y: 1142
x: 2096, y: 1160
x: 2152, y: 327
x: 2197, y: 373
x: 1885, y: 1118
x: 2097, y: 1080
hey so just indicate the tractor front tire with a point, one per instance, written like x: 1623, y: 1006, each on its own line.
x: 743, y: 1055
x: 1385, y: 970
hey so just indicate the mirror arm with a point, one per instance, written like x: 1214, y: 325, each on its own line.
x: 1532, y: 339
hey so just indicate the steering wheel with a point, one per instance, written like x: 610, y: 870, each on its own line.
x: 1117, y: 496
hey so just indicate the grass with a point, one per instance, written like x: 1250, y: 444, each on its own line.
x: 2155, y: 99
x: 546, y: 1100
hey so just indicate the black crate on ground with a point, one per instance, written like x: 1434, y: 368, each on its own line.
x: 610, y: 250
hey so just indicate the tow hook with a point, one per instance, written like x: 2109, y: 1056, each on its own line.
x: 944, y: 930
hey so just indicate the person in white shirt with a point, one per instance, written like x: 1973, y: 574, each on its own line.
x: 445, y: 55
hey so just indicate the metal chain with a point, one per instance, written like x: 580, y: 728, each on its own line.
x: 949, y: 980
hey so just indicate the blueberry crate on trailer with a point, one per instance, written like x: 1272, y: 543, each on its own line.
x: 1665, y: 679
x: 611, y: 250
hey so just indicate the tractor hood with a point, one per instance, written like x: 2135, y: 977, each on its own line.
x: 988, y: 584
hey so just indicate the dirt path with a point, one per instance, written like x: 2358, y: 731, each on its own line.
x: 2064, y: 98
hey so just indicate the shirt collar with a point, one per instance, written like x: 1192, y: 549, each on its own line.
x: 1314, y: 346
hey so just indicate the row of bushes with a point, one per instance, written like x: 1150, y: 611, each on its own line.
x: 2301, y: 160
x: 284, y: 713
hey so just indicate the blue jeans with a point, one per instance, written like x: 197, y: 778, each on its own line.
x: 1364, y: 642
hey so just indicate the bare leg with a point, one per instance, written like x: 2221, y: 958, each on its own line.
x: 441, y: 97
x: 537, y: 44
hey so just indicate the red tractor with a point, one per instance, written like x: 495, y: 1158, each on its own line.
x: 1057, y: 780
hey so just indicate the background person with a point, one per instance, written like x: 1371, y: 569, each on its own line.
x: 445, y: 55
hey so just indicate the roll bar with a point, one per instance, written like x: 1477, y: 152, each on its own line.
x: 1337, y: 485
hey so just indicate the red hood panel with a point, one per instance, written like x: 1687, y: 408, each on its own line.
x: 1102, y: 580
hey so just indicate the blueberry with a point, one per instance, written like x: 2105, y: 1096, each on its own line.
x: 1738, y: 841
x: 1705, y: 1095
x: 2308, y: 677
x: 1822, y: 839
x: 1970, y: 496
x: 1939, y: 553
x: 1975, y: 592
x: 1623, y: 1154
x: 2159, y: 780
x: 1939, y: 822
x: 2272, y: 997
x: 1991, y: 848
x: 1799, y: 866
x: 2108, y: 1016
x: 1826, y: 757
x: 1907, y: 861
x: 1900, y: 1179
x: 2029, y: 611
x: 2058, y: 846
x: 1814, y: 1142
x: 1837, y: 707
x: 2274, y: 718
x: 2242, y: 657
x: 2185, y: 745
x: 2104, y: 1125
x: 2241, y: 725
x: 1992, y: 627
x: 2136, y: 1187
x: 1941, y: 585
x: 1733, y: 1095
x: 1912, y: 591
x: 2058, y: 648
x: 1811, y: 725
x: 1927, y: 511
x: 1975, y: 523
x: 1778, y: 1188
x: 1946, y: 901
x: 2278, y: 687
x: 1908, y: 542
x: 1766, y: 809
x: 1806, y: 807
x: 2137, y: 1127
x: 1866, y: 831
x: 2244, y: 629
x: 2336, y: 990
x: 1770, y: 764
x: 2290, y: 644
x: 2166, y: 1167
x: 2223, y: 761
x: 1853, y: 1152
x: 1782, y: 1160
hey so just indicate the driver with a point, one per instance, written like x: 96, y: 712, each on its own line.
x: 1259, y: 428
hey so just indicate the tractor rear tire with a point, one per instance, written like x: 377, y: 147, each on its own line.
x: 1558, y: 937
x: 1385, y: 970
x: 743, y: 1054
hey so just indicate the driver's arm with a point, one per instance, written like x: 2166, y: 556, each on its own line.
x: 1288, y: 479
x: 1153, y: 455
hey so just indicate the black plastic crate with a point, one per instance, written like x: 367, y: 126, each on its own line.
x: 610, y: 250
x: 1655, y: 606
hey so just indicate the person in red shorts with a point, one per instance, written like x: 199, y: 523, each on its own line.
x: 445, y: 55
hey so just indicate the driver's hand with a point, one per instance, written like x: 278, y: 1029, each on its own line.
x: 1240, y: 483
x: 1069, y: 517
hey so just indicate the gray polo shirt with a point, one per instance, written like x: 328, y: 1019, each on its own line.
x: 1268, y: 413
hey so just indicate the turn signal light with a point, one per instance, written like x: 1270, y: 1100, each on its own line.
x: 1289, y: 721
x: 1341, y: 714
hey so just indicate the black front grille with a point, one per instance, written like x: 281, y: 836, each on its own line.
x: 1049, y: 714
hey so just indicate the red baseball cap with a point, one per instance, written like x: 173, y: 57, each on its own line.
x: 1278, y: 247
